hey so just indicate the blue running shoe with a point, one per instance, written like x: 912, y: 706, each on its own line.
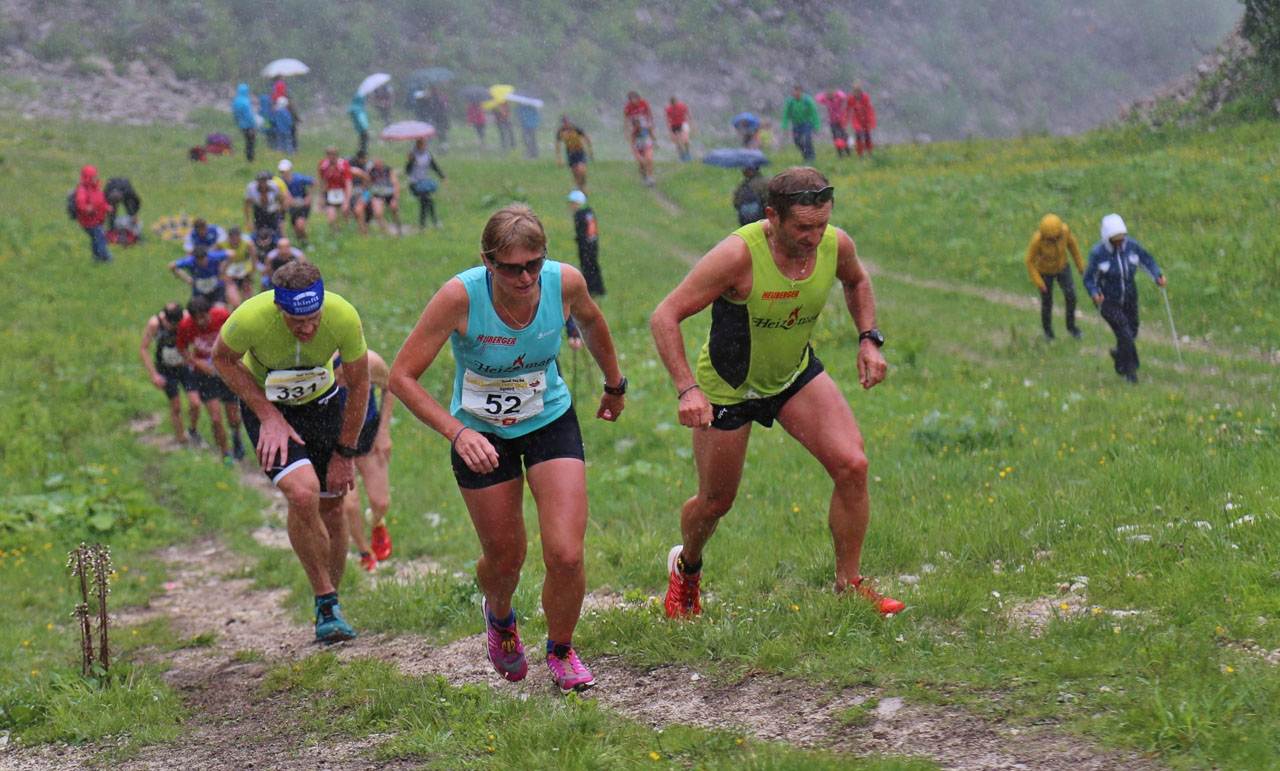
x: 331, y: 627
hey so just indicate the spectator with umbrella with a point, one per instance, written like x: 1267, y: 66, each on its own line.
x: 529, y: 113
x: 418, y: 168
x: 750, y: 196
x: 475, y: 119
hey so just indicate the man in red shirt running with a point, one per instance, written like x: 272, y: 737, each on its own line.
x: 197, y: 332
x: 681, y: 126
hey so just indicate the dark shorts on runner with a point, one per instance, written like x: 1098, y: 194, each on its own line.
x: 318, y: 422
x: 176, y: 378
x: 211, y: 388
x: 727, y: 417
x: 578, y: 157
x: 561, y: 438
x: 218, y: 295
x: 298, y: 212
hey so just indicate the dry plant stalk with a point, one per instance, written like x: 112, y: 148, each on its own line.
x: 82, y: 561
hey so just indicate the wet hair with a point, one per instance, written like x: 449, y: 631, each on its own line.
x: 263, y: 176
x: 199, y: 222
x: 199, y: 305
x: 793, y: 180
x: 172, y: 312
x: 199, y: 250
x: 234, y: 230
x: 512, y: 227
x: 298, y: 274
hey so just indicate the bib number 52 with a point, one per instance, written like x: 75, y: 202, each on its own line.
x: 500, y: 404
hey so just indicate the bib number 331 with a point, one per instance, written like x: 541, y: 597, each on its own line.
x: 503, y: 401
x: 292, y: 386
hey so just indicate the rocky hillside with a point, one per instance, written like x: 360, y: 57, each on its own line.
x: 935, y: 69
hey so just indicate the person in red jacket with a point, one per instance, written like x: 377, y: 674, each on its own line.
x: 92, y: 210
x: 862, y: 118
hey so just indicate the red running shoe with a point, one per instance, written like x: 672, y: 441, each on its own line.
x: 368, y: 562
x: 381, y: 543
x: 886, y: 605
x: 682, y: 589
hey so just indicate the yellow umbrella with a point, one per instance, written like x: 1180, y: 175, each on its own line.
x: 499, y: 93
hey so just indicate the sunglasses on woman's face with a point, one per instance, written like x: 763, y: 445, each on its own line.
x: 811, y: 197
x: 514, y: 269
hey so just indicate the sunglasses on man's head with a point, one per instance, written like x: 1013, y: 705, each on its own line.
x: 811, y: 197
x: 514, y: 269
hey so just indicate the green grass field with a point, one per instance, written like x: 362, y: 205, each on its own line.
x: 1002, y: 466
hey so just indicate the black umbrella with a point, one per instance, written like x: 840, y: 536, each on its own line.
x: 431, y: 75
x: 475, y: 94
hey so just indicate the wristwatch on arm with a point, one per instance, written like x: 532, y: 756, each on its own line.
x: 874, y: 335
x: 618, y: 390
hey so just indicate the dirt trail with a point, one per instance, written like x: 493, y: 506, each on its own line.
x: 233, y: 726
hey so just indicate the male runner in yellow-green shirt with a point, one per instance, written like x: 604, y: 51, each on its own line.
x: 276, y: 353
x: 767, y: 284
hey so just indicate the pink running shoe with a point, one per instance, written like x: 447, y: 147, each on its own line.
x: 569, y: 673
x: 505, y: 650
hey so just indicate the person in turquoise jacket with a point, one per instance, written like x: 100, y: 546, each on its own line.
x: 360, y: 119
x: 801, y: 114
x: 242, y: 111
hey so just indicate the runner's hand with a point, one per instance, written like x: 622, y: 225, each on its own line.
x: 611, y: 407
x: 695, y: 410
x: 871, y: 366
x: 158, y: 380
x: 340, y: 476
x: 273, y: 442
x: 1097, y: 299
x: 476, y: 451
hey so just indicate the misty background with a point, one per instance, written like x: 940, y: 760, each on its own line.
x: 935, y: 69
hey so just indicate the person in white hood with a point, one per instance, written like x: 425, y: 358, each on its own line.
x: 1109, y: 279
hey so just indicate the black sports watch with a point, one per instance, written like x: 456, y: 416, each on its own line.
x: 874, y: 335
x: 618, y: 390
x: 345, y: 451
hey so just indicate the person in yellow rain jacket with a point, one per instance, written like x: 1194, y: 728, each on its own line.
x: 1047, y: 263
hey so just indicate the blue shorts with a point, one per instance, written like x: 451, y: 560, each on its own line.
x: 578, y: 157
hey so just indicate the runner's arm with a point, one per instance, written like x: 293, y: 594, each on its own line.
x: 595, y: 334
x: 861, y: 302
x: 181, y: 274
x: 445, y: 314
x: 273, y: 438
x: 149, y: 333
x: 340, y: 476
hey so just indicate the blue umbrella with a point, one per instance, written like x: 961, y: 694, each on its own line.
x: 735, y: 158
x: 746, y: 120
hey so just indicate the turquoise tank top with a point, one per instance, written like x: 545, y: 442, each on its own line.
x: 507, y: 381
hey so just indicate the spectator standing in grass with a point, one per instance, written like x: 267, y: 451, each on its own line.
x: 476, y: 119
x: 586, y: 233
x: 862, y: 118
x: 749, y: 197
x: 120, y: 191
x: 502, y: 119
x: 169, y: 370
x: 512, y: 418
x: 91, y: 210
x: 242, y: 111
x: 276, y: 354
x: 801, y: 114
x: 529, y: 117
x: 1113, y: 263
x: 1047, y: 264
x: 360, y: 120
x: 418, y: 169
x: 768, y: 283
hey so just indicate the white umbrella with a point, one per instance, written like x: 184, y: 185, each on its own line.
x: 408, y: 129
x: 283, y: 68
x: 518, y: 98
x: 373, y: 83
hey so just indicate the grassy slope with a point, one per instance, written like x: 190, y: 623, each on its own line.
x: 988, y: 448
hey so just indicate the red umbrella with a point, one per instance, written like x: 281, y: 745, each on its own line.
x: 408, y: 129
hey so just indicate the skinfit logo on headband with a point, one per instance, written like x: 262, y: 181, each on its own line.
x: 301, y: 302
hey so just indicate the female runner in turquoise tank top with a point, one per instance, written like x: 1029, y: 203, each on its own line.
x: 511, y: 416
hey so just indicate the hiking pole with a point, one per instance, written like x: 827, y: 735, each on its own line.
x: 1173, y: 331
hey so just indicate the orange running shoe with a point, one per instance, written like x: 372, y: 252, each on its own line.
x: 381, y: 543
x: 886, y: 605
x: 368, y: 562
x: 682, y: 589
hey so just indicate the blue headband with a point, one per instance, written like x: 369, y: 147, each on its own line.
x: 301, y: 302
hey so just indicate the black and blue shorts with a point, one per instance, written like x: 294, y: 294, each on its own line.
x: 727, y: 417
x: 318, y: 422
x: 561, y: 438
